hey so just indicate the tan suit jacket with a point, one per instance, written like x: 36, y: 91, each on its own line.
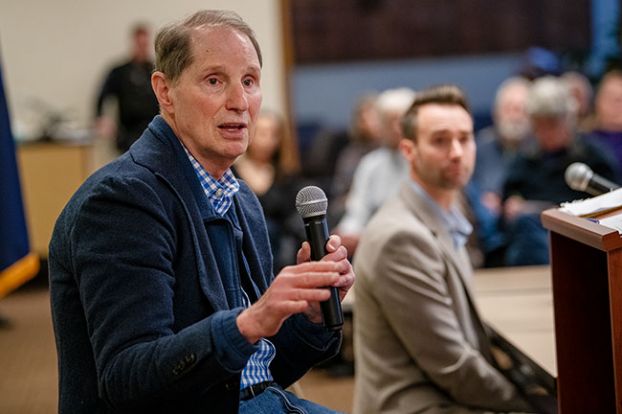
x: 419, y: 342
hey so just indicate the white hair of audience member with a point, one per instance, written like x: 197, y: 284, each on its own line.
x: 395, y: 100
x: 392, y: 104
x: 550, y: 97
x: 510, y: 116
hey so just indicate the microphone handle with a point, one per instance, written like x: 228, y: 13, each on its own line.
x: 316, y: 229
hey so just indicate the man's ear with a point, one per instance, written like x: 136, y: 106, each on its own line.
x: 162, y: 90
x: 407, y: 147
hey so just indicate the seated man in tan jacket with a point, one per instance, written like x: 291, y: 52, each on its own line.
x: 420, y: 345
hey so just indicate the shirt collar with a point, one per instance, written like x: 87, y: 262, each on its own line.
x: 453, y: 220
x: 219, y: 192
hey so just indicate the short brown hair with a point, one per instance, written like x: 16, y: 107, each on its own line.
x: 441, y: 94
x: 172, y: 44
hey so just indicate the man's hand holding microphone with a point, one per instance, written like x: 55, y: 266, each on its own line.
x: 315, y: 285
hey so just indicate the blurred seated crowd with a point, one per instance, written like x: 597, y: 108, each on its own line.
x: 542, y: 120
x: 540, y: 125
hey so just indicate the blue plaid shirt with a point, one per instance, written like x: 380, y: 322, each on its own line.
x: 220, y: 195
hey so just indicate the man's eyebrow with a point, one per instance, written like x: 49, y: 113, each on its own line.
x: 222, y: 69
x: 254, y: 68
x: 213, y: 68
x: 446, y: 130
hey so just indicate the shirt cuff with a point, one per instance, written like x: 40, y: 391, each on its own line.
x: 233, y: 349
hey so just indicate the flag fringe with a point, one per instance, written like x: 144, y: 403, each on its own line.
x: 18, y: 273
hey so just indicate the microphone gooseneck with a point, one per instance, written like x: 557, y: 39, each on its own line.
x: 312, y: 205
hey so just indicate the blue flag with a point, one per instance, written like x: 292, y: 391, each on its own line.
x: 17, y: 263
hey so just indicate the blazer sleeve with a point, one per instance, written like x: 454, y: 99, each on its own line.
x: 123, y: 247
x: 416, y: 300
x: 300, y: 345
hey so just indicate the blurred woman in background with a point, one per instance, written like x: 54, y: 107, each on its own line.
x: 270, y: 167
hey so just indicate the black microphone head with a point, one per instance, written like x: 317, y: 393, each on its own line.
x: 578, y: 176
x: 311, y: 202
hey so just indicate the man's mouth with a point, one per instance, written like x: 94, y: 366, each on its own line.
x: 455, y: 170
x: 232, y: 126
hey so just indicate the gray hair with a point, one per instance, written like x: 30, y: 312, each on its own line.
x: 398, y: 100
x: 509, y: 83
x: 173, y: 47
x: 550, y: 97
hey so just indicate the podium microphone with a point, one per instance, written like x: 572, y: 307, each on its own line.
x: 580, y: 177
x: 312, y: 205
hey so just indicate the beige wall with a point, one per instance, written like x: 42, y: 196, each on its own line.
x: 57, y: 51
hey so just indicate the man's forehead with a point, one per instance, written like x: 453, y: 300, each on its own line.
x: 215, y: 35
x: 217, y: 48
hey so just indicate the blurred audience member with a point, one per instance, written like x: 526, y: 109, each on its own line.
x: 496, y: 147
x: 582, y: 91
x: 535, y: 179
x: 486, y: 244
x: 271, y: 174
x: 497, y: 144
x: 380, y: 172
x: 363, y: 137
x: 130, y: 85
x: 420, y: 345
x: 320, y: 161
x: 608, y: 114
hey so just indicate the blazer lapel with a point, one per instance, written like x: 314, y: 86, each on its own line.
x: 256, y: 270
x: 426, y: 213
x: 160, y: 151
x: 461, y: 268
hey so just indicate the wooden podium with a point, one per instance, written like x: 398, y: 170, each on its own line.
x: 586, y: 266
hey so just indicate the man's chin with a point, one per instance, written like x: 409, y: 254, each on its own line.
x: 237, y: 149
x: 456, y: 182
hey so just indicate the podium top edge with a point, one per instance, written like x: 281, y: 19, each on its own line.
x: 581, y: 230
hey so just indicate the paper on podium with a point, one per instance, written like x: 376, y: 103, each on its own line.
x: 595, y: 206
x: 613, y: 222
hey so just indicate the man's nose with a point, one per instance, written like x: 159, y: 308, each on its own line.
x: 236, y: 98
x: 455, y: 151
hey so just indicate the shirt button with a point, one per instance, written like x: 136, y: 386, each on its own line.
x: 219, y: 193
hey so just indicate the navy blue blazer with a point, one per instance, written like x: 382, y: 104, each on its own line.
x: 144, y: 302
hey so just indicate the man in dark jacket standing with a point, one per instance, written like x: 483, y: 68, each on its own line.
x: 130, y: 85
x: 163, y: 298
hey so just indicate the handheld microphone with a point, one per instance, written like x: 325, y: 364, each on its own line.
x: 312, y: 204
x: 580, y: 177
